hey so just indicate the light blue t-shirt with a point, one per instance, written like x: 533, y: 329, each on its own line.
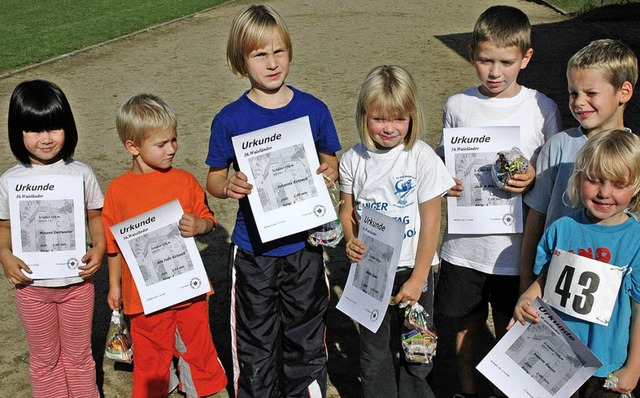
x: 621, y: 246
x: 554, y: 167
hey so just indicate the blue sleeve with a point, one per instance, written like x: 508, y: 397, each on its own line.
x: 221, y: 152
x: 327, y: 136
x: 545, y: 251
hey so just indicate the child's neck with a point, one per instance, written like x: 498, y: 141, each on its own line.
x: 616, y: 219
x: 619, y: 125
x: 271, y: 99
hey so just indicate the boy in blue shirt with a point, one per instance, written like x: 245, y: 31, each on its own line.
x: 279, y: 291
x: 601, y: 77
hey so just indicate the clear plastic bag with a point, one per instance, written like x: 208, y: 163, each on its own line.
x: 331, y: 233
x: 419, y: 340
x: 507, y: 164
x: 119, y: 346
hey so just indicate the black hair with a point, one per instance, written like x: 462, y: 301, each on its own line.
x: 39, y: 105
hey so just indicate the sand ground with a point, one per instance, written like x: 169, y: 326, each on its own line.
x: 335, y: 44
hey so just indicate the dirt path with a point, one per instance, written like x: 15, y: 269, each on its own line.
x: 335, y: 44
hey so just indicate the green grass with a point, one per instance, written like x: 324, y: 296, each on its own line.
x: 35, y: 30
x: 582, y: 6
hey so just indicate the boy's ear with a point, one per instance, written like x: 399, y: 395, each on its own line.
x: 626, y: 91
x: 526, y: 57
x: 132, y: 147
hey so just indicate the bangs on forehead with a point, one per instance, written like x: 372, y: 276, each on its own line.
x: 604, y: 168
x: 41, y: 118
x: 263, y: 37
x: 388, y: 107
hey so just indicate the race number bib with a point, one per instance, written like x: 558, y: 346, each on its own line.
x: 582, y: 287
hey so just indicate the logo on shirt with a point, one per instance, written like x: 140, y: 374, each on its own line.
x: 404, y: 186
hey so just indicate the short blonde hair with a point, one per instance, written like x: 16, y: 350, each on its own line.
x: 143, y: 115
x: 391, y: 91
x: 253, y: 28
x: 608, y: 157
x: 503, y: 26
x: 615, y: 59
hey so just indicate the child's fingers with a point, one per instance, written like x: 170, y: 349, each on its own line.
x: 16, y: 275
x: 456, y: 190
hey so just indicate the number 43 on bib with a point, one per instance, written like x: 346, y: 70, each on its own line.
x: 582, y: 287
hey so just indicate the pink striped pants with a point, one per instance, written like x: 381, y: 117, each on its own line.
x: 57, y: 324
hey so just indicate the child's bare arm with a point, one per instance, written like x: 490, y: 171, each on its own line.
x: 354, y: 248
x: 629, y: 374
x: 12, y: 266
x: 222, y: 186
x: 430, y: 212
x: 93, y: 258
x: 533, y: 230
x: 192, y: 225
x: 114, y: 298
x: 328, y: 167
x: 524, y: 310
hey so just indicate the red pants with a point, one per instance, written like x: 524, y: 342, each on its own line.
x: 182, y: 333
x: 57, y: 324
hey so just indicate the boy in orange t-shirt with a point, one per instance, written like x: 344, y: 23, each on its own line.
x: 147, y: 127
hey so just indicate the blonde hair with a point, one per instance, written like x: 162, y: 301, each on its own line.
x: 503, y: 26
x: 253, y: 28
x: 391, y: 91
x: 608, y: 157
x: 615, y: 59
x: 143, y: 115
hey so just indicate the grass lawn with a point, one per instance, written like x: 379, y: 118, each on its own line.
x: 33, y: 31
x: 580, y: 6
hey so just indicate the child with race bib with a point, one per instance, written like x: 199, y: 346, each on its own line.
x: 606, y: 181
x: 57, y: 313
x: 389, y: 119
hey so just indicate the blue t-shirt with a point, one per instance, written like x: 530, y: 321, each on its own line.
x: 615, y: 244
x: 244, y: 116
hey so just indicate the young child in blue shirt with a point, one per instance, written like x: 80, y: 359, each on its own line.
x: 279, y: 291
x: 605, y: 182
x: 601, y: 77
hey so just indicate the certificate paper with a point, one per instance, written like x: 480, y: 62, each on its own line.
x: 369, y: 284
x: 167, y: 268
x: 280, y: 162
x: 48, y: 224
x: 483, y: 208
x: 542, y: 359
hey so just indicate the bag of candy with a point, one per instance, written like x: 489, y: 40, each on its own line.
x: 507, y: 164
x: 119, y: 346
x: 419, y: 341
x: 331, y: 233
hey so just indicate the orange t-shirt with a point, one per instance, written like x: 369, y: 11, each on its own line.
x: 132, y: 194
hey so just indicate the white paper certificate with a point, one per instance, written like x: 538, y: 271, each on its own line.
x: 48, y: 224
x: 166, y: 268
x: 369, y: 284
x: 483, y: 208
x: 539, y: 359
x: 582, y: 287
x: 280, y: 162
